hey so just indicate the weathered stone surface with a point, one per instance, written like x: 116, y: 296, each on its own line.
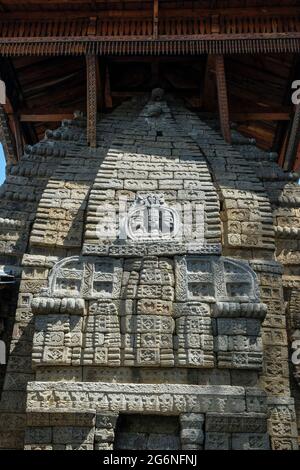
x: 125, y: 305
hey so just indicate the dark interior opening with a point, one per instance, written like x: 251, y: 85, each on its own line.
x: 147, y: 432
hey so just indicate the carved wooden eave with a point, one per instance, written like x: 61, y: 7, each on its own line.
x: 184, y: 45
x: 211, y: 34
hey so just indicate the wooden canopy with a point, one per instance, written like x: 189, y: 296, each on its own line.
x: 232, y: 58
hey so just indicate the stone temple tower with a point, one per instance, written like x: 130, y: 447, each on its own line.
x: 145, y: 308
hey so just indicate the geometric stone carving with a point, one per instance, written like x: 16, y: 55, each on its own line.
x: 145, y: 324
x: 215, y: 278
x: 102, y: 338
x: 85, y: 277
x: 132, y: 319
x: 154, y: 398
x: 194, y: 340
x: 57, y: 340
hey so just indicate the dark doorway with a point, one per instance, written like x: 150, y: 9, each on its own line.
x: 147, y: 432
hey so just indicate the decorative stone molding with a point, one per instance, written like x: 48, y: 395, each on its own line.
x: 150, y: 398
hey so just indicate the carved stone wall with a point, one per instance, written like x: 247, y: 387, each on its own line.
x: 148, y: 284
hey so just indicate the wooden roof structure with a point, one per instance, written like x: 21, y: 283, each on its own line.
x: 234, y: 58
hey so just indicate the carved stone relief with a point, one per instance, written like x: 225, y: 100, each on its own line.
x: 149, y: 312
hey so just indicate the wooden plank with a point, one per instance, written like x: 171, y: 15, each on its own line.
x: 92, y: 63
x: 260, y: 116
x: 222, y: 97
x: 52, y: 117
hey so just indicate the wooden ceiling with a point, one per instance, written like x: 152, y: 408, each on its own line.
x: 99, y: 5
x: 257, y: 87
x: 44, y: 89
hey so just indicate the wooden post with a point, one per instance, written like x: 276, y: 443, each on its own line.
x: 209, y: 87
x: 107, y: 90
x: 222, y: 98
x: 155, y: 18
x: 91, y: 63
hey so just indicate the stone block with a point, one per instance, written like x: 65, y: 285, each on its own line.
x: 217, y: 441
x: 250, y: 441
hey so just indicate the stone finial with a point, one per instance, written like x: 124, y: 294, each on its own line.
x: 157, y: 94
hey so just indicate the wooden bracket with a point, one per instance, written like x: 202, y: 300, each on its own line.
x: 155, y: 18
x: 92, y: 27
x: 215, y: 24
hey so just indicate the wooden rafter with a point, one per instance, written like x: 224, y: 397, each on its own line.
x: 260, y: 116
x: 182, y: 12
x: 296, y: 166
x: 92, y: 64
x: 294, y: 141
x: 209, y: 86
x: 222, y: 97
x: 31, y: 116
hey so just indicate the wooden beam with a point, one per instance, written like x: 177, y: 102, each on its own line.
x: 245, y: 12
x: 92, y: 64
x: 222, y: 97
x: 52, y: 117
x: 296, y: 166
x: 260, y: 116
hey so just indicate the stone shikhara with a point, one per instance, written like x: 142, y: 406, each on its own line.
x: 187, y: 332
